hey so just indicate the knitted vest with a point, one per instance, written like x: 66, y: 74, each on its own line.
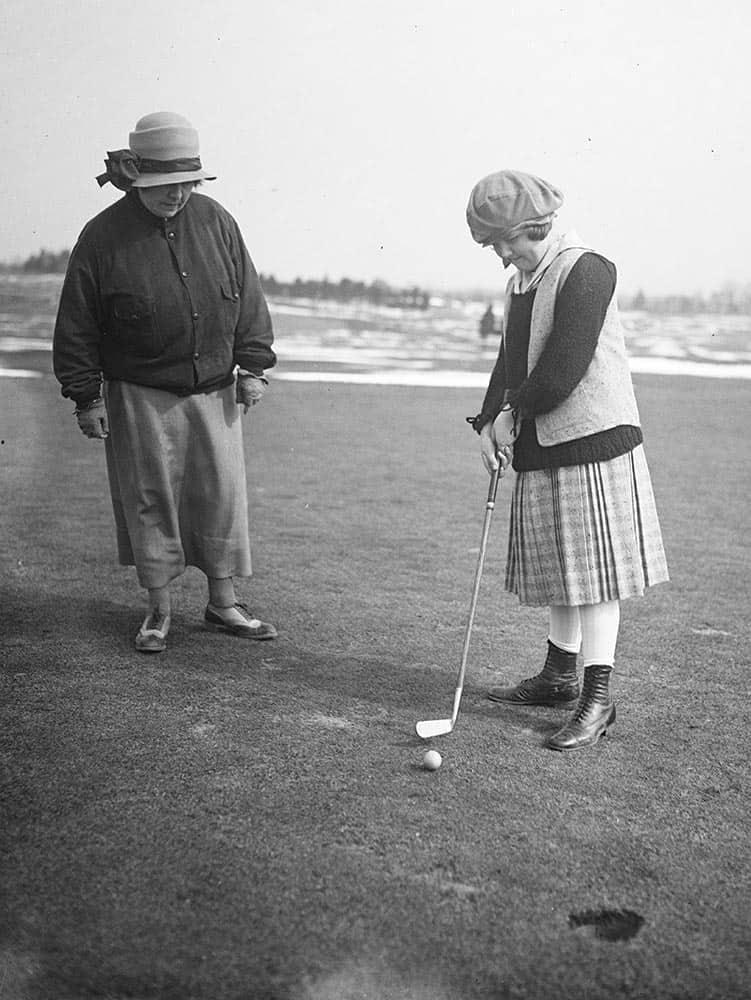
x: 605, y: 396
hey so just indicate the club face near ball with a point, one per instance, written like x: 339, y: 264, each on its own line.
x: 433, y: 727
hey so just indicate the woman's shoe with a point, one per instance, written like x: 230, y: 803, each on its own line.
x: 152, y: 635
x: 237, y: 620
x: 594, y: 713
x: 556, y: 684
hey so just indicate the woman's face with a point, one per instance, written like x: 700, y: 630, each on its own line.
x: 166, y: 200
x: 524, y: 253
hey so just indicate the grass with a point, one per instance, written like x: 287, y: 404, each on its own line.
x: 237, y: 821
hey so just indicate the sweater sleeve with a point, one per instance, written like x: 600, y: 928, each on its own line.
x: 77, y: 335
x: 580, y: 310
x: 254, y: 333
x: 494, y: 395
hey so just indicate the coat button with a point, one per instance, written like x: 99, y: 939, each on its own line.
x: 185, y: 274
x: 195, y: 315
x: 170, y: 236
x: 196, y: 356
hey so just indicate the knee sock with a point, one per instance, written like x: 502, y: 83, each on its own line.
x: 565, y: 628
x: 599, y: 626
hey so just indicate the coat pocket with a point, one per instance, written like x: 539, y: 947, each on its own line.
x: 230, y: 306
x: 131, y: 320
x: 229, y: 292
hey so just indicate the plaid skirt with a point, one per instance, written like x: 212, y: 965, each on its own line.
x: 585, y: 533
x: 176, y: 471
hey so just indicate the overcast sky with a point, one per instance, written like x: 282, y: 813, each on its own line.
x: 348, y: 135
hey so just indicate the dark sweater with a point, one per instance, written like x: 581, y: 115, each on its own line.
x: 172, y: 304
x: 579, y: 314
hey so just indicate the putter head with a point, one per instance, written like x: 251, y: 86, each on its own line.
x: 433, y: 727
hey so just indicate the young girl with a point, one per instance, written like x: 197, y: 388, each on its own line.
x: 560, y: 408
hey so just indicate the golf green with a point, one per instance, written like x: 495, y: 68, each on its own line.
x: 231, y: 821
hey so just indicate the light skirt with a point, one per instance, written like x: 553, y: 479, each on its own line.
x: 585, y: 533
x: 176, y: 471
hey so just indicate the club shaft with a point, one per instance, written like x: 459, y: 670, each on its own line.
x: 492, y: 492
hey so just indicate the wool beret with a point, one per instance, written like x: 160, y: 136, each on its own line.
x: 503, y: 200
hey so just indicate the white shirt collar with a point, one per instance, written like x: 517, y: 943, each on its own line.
x: 523, y: 281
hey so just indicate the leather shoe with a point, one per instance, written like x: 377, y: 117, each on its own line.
x: 537, y: 690
x: 237, y: 620
x: 152, y: 635
x: 594, y: 713
x: 556, y: 684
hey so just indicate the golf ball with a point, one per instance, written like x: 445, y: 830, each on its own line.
x: 432, y: 760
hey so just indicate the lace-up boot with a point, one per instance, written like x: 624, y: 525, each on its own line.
x: 594, y: 713
x: 556, y: 684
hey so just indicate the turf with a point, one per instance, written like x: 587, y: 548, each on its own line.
x: 232, y: 821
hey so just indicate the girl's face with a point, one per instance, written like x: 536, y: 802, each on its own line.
x: 524, y: 253
x: 166, y: 200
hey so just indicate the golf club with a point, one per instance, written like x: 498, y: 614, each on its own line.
x: 439, y: 727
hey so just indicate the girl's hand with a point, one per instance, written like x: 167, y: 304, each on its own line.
x: 493, y: 451
x: 497, y: 442
x: 504, y: 429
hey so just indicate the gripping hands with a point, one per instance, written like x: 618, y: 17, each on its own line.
x: 497, y: 442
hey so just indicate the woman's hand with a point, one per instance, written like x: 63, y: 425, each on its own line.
x: 249, y: 391
x: 497, y: 442
x: 93, y: 420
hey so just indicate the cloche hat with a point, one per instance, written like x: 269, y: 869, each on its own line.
x: 508, y: 200
x: 163, y: 149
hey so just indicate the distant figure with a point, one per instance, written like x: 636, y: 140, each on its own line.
x: 560, y: 405
x: 160, y: 305
x: 487, y: 323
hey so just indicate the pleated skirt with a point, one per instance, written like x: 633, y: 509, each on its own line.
x: 585, y: 534
x: 176, y: 470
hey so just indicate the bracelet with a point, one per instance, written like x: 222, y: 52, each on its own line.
x: 87, y: 406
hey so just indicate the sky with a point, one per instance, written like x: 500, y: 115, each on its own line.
x: 347, y: 136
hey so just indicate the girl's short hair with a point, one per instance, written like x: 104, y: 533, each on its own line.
x: 537, y: 231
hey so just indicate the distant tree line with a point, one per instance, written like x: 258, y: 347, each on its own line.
x: 377, y: 292
x: 732, y: 298
x: 345, y: 290
x: 44, y: 262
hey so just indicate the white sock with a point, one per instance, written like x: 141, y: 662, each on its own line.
x: 599, y: 625
x: 565, y: 628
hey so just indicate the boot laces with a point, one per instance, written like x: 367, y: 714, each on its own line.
x: 591, y: 689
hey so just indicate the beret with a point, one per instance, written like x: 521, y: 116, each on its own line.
x: 507, y: 198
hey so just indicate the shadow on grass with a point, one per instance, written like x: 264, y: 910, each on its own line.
x: 31, y: 615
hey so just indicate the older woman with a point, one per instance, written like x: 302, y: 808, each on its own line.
x: 560, y: 405
x: 162, y: 336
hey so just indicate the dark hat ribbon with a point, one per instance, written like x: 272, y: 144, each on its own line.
x: 123, y: 167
